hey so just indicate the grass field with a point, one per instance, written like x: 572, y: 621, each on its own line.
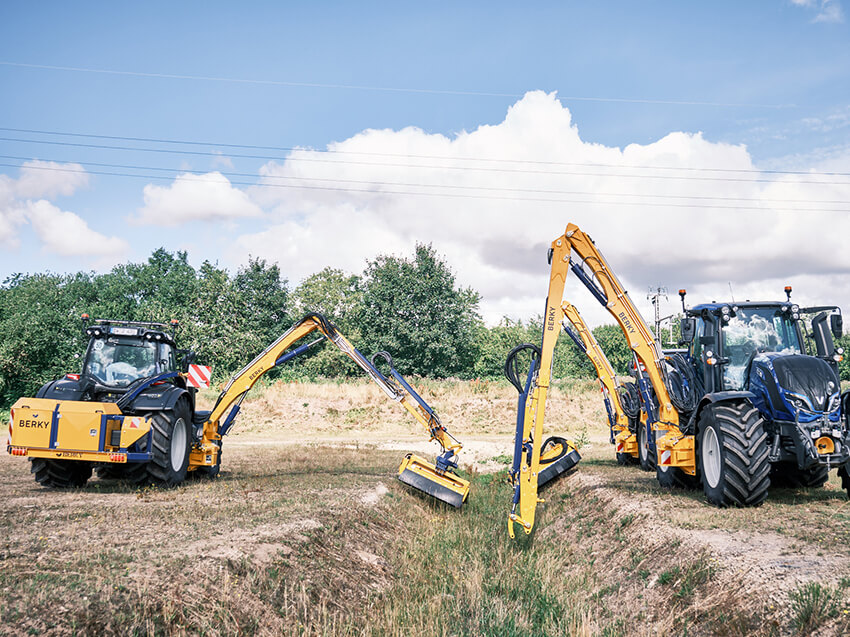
x: 307, y: 532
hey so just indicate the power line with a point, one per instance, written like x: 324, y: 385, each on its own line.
x: 417, y: 156
x: 401, y: 165
x: 388, y: 89
x: 449, y: 195
x: 228, y: 173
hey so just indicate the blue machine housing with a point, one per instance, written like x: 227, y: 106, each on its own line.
x: 797, y: 395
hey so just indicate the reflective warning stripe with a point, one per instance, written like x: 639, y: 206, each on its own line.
x: 666, y: 456
x: 199, y: 375
x: 619, y: 447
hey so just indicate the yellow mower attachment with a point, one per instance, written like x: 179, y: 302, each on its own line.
x: 441, y: 484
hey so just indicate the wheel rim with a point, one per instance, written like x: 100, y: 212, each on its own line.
x: 643, y: 446
x: 178, y: 445
x: 711, y: 457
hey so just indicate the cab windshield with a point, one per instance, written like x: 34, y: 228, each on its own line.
x: 117, y: 362
x: 751, y: 331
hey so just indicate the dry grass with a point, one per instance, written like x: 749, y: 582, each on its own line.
x: 309, y: 538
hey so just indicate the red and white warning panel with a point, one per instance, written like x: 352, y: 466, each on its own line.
x: 199, y: 376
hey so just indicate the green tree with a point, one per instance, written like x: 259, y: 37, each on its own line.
x: 493, y: 345
x: 40, y: 330
x: 613, y: 342
x: 330, y: 292
x: 413, y: 309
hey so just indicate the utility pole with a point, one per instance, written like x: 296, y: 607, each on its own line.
x: 654, y: 296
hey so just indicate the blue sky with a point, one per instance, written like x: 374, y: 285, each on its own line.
x: 768, y: 79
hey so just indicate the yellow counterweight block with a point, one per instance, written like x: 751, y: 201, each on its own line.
x: 74, y: 430
x: 441, y: 484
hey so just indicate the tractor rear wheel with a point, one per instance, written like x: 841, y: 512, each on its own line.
x: 60, y: 474
x: 844, y: 474
x: 673, y: 477
x: 170, y: 446
x: 646, y: 455
x: 733, y: 454
x: 625, y: 459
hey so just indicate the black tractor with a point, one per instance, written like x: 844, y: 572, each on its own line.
x: 763, y: 410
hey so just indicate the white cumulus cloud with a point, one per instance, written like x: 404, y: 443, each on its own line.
x: 682, y: 211
x: 207, y: 197
x: 827, y: 10
x: 66, y: 234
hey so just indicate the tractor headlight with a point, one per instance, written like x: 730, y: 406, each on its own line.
x: 800, y: 402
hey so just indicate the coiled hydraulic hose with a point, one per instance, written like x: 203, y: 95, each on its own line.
x: 629, y: 399
x: 682, y: 384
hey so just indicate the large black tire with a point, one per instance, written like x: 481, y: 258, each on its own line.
x: 625, y: 459
x: 732, y: 454
x: 60, y: 474
x: 646, y: 455
x: 787, y: 474
x: 673, y: 477
x: 172, y: 435
x: 844, y: 474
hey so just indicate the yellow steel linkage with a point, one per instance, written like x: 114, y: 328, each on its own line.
x: 673, y: 447
x: 529, y: 453
x: 437, y: 480
x: 624, y: 440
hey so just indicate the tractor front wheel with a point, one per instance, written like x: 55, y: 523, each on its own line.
x: 60, y: 474
x: 733, y: 454
x: 646, y: 455
x: 170, y: 446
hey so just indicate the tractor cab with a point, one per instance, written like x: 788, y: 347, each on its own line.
x: 790, y: 374
x: 120, y: 353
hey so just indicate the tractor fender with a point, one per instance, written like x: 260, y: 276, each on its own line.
x: 715, y: 398
x: 160, y: 398
x: 61, y: 389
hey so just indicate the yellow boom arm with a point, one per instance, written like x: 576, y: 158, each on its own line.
x: 438, y: 480
x: 593, y: 270
x: 276, y: 354
x: 606, y: 374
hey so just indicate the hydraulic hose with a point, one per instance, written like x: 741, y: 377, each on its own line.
x: 682, y: 384
x: 629, y: 399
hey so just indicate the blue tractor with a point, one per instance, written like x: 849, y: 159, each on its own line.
x: 767, y: 406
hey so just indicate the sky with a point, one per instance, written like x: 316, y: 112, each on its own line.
x: 702, y: 145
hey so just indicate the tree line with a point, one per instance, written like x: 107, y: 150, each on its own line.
x: 410, y: 306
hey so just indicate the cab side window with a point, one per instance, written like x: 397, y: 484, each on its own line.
x: 166, y: 358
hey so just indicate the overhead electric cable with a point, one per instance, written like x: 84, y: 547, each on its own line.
x: 449, y: 195
x: 400, y: 165
x: 330, y: 151
x: 389, y: 89
x: 369, y: 182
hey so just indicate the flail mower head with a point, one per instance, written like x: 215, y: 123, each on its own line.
x: 437, y: 480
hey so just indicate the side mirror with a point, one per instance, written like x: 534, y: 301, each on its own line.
x: 688, y: 329
x: 821, y: 335
x: 836, y: 324
x: 187, y: 357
